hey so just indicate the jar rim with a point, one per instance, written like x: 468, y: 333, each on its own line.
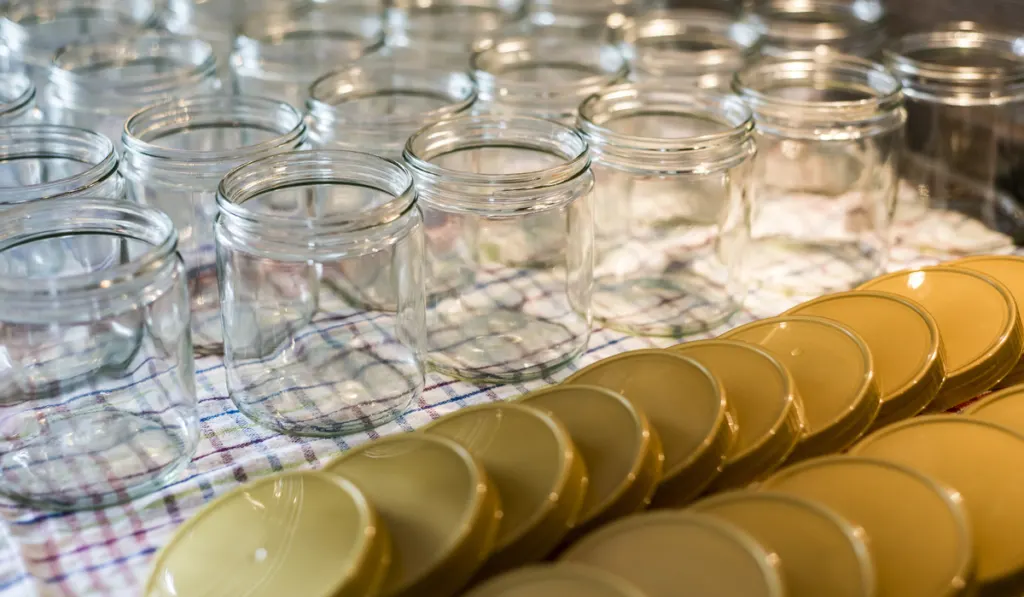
x: 735, y: 37
x: 606, y: 60
x: 24, y: 94
x: 963, y: 36
x: 60, y: 141
x: 840, y: 19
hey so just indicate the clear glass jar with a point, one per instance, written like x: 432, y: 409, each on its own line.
x: 98, y: 84
x: 829, y: 131
x: 449, y: 26
x: 376, y: 106
x: 17, y: 98
x: 280, y: 57
x: 964, y: 88
x: 596, y: 20
x: 296, y: 232
x: 672, y: 206
x: 839, y: 26
x: 485, y: 182
x: 175, y: 154
x: 696, y: 48
x: 41, y: 161
x: 97, y: 383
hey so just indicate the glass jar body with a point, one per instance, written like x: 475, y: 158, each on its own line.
x: 98, y: 383
x: 17, y: 99
x: 323, y: 334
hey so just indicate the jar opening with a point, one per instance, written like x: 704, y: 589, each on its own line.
x: 538, y: 66
x: 816, y: 21
x: 452, y: 21
x: 44, y: 26
x: 62, y: 160
x: 689, y: 41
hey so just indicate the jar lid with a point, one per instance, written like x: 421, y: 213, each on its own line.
x: 910, y: 372
x: 834, y: 375
x: 622, y: 451
x: 1005, y: 408
x: 917, y: 530
x: 540, y: 475
x: 304, y: 533
x: 660, y: 552
x: 978, y: 321
x: 984, y: 463
x: 686, y: 405
x: 441, y: 532
x: 1006, y: 269
x: 562, y: 580
x: 763, y: 400
x: 803, y: 534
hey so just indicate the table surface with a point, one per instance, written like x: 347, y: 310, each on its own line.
x: 109, y: 551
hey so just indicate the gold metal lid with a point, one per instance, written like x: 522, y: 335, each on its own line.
x: 978, y: 320
x: 1005, y: 407
x: 834, y: 375
x: 819, y: 552
x: 540, y: 475
x: 909, y: 372
x: 1007, y: 269
x: 982, y: 462
x: 763, y: 399
x: 304, y: 533
x: 561, y: 580
x: 438, y: 504
x: 686, y: 405
x: 916, y: 529
x: 667, y: 553
x: 622, y: 451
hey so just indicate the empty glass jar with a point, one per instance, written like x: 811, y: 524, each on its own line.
x: 696, y: 48
x: 672, y: 206
x: 97, y: 382
x: 296, y: 232
x: 98, y: 83
x: 829, y: 131
x: 175, y: 154
x: 41, y: 161
x: 484, y: 183
x: 820, y: 26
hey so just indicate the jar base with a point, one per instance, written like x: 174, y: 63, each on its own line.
x: 808, y: 269
x: 662, y: 306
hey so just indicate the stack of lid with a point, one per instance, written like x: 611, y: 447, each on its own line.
x: 923, y: 506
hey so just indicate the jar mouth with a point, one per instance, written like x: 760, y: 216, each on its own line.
x: 242, y: 191
x: 92, y: 150
x: 445, y: 20
x: 515, y: 66
x: 815, y: 21
x: 17, y: 95
x: 690, y: 41
x: 56, y: 218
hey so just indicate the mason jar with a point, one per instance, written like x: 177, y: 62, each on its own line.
x: 97, y: 383
x: 964, y: 88
x: 17, y: 98
x: 280, y: 57
x: 301, y: 357
x: 821, y: 26
x: 672, y: 206
x: 693, y: 47
x: 176, y: 152
x: 377, y: 105
x: 491, y: 317
x: 829, y: 131
x: 97, y: 84
x: 42, y: 161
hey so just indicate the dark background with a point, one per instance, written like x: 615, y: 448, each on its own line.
x: 907, y: 15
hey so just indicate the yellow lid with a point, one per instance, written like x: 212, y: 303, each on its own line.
x: 819, y: 552
x: 917, y: 530
x: 303, y: 533
x: 438, y: 504
x: 910, y: 371
x: 1013, y: 378
x: 686, y: 405
x: 1007, y: 269
x: 562, y: 580
x: 834, y: 375
x: 622, y: 451
x: 762, y: 397
x: 984, y: 463
x: 666, y: 554
x: 538, y: 472
x: 977, y: 319
x: 1005, y: 407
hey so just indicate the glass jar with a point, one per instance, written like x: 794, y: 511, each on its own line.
x: 296, y: 232
x: 696, y: 48
x: 98, y: 84
x: 280, y: 57
x: 449, y: 26
x: 596, y: 20
x: 377, y: 105
x: 839, y: 26
x: 97, y: 383
x: 484, y: 183
x: 521, y: 76
x: 672, y: 206
x: 175, y: 154
x: 829, y: 131
x: 41, y: 161
x: 17, y: 98
x: 964, y: 89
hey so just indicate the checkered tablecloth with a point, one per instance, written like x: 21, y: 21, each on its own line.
x: 108, y: 552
